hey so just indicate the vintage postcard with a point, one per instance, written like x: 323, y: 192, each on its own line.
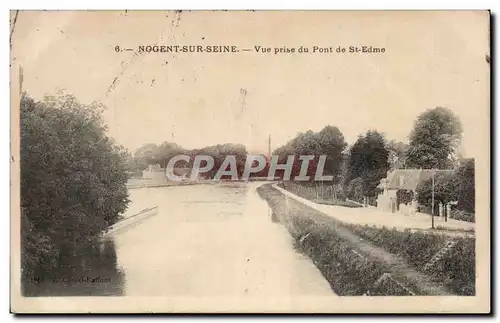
x: 250, y: 161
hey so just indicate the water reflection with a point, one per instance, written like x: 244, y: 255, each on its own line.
x: 91, y: 270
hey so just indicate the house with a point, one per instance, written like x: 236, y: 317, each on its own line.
x: 404, y: 181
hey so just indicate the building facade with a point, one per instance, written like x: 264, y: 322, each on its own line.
x: 156, y: 173
x: 399, y: 190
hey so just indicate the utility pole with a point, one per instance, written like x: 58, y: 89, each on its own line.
x: 269, y: 148
x: 268, y: 158
x: 432, y: 206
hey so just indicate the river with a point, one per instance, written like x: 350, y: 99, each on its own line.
x: 205, y: 240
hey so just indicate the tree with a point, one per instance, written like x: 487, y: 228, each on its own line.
x: 445, y: 189
x: 73, y: 179
x: 466, y: 186
x: 219, y: 153
x: 329, y: 141
x: 434, y: 140
x: 344, y: 168
x: 368, y: 160
x: 148, y: 154
x: 404, y: 196
x: 151, y: 153
x: 397, y: 152
x: 332, y: 144
x: 168, y: 150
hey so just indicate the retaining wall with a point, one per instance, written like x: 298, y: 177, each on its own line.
x: 132, y: 220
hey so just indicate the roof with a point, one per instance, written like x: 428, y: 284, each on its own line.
x: 407, y: 179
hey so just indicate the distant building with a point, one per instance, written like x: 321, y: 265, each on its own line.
x: 402, y: 179
x: 157, y: 173
x: 154, y: 172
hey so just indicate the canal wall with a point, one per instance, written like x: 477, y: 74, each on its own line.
x: 131, y: 221
x: 142, y: 183
x: 351, y: 265
x: 135, y: 183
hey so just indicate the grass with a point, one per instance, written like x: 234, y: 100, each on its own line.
x: 456, y: 270
x: 337, y: 203
x: 354, y: 257
x: 440, y: 227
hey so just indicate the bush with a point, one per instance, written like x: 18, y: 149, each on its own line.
x: 355, y: 189
x: 462, y: 215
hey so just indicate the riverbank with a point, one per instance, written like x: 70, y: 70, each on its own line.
x: 146, y: 183
x: 373, y: 264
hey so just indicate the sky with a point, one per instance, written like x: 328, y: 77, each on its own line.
x: 199, y: 99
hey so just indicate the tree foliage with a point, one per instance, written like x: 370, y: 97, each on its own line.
x: 354, y: 189
x: 397, y: 153
x: 445, y: 189
x: 329, y: 141
x: 457, y: 185
x: 368, y: 160
x: 434, y: 140
x: 404, y: 196
x: 466, y: 186
x: 219, y: 153
x: 73, y: 178
x: 151, y: 153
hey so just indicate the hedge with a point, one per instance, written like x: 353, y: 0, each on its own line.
x: 456, y: 270
x: 462, y: 215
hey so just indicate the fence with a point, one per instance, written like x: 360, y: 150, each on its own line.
x: 319, y: 191
x: 322, y: 192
